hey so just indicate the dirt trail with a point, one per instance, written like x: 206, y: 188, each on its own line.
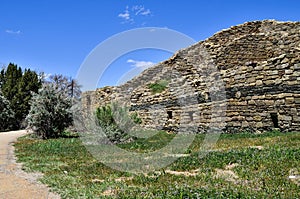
x: 15, y: 183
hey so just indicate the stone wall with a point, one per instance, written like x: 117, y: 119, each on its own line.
x: 245, y: 78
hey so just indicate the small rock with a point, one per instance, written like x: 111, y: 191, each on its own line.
x: 292, y: 177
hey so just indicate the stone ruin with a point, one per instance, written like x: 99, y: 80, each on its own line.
x: 245, y: 78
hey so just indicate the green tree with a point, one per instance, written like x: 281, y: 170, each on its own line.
x: 17, y: 86
x: 50, y: 112
x: 28, y: 84
x: 9, y: 86
x: 2, y: 77
x: 12, y: 75
x: 6, y: 114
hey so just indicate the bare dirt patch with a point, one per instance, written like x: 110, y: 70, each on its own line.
x: 227, y: 173
x: 15, y: 183
x: 183, y: 173
x: 109, y: 192
x: 123, y: 179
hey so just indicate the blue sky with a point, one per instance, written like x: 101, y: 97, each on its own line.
x: 55, y: 36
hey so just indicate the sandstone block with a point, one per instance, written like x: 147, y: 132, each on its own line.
x: 251, y: 102
x: 268, y: 82
x: 285, y: 118
x: 259, y: 125
x: 257, y: 118
x: 288, y: 72
x: 296, y: 118
x: 289, y: 100
x: 279, y: 102
x: 278, y: 81
x: 269, y: 102
x: 273, y: 72
x: 297, y: 66
x: 297, y: 100
x: 293, y: 83
x: 245, y: 124
x: 259, y: 83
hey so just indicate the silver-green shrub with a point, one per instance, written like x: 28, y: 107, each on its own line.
x: 50, y: 112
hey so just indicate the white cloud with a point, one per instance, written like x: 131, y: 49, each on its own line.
x: 13, y: 32
x: 146, y: 12
x: 126, y: 15
x: 140, y: 10
x: 140, y: 64
x: 129, y: 15
x: 137, y: 9
x: 138, y: 68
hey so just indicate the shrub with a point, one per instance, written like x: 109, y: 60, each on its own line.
x: 158, y: 87
x: 50, y: 112
x: 117, y: 122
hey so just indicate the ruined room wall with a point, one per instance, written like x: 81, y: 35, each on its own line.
x: 258, y: 64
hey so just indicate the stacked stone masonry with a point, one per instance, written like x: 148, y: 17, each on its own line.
x: 245, y: 78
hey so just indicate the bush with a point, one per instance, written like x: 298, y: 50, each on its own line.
x: 117, y: 122
x: 50, y: 112
x: 6, y: 114
x: 158, y: 87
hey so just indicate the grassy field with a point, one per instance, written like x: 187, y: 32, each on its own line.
x: 239, y: 166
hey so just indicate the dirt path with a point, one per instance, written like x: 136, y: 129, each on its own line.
x: 15, y: 183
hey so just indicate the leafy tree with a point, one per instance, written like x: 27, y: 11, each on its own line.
x: 67, y: 85
x: 6, y: 114
x: 50, y: 112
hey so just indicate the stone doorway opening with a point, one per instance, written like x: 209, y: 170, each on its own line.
x: 170, y: 115
x: 274, y: 117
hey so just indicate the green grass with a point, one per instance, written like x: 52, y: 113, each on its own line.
x: 239, y: 166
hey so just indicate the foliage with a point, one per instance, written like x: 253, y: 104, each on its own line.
x: 263, y: 164
x: 116, y: 121
x: 28, y: 84
x: 66, y: 85
x: 50, y: 112
x: 135, y: 118
x: 6, y: 114
x: 17, y: 86
x: 158, y: 87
